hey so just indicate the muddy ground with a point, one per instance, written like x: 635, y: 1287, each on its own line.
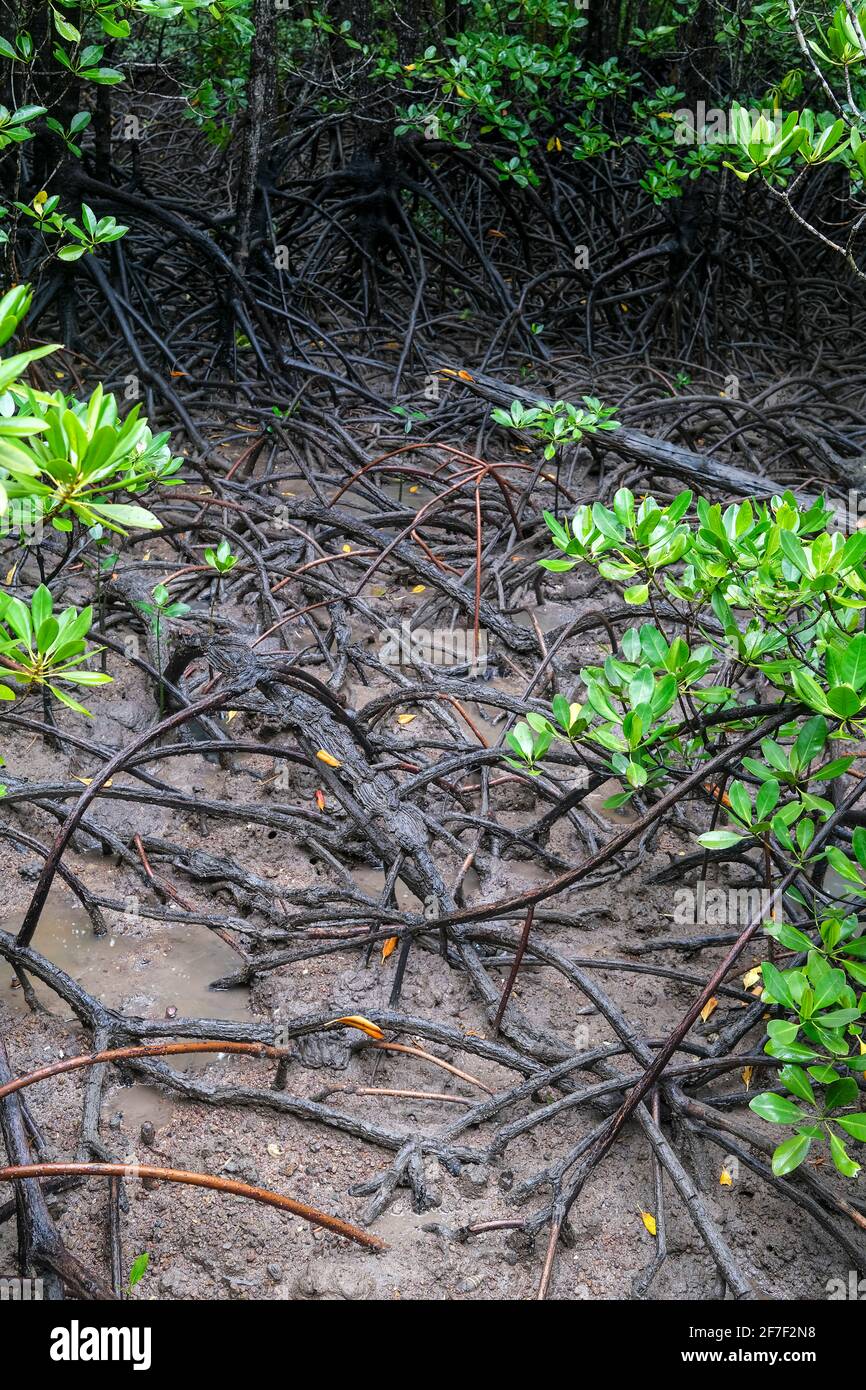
x: 205, y: 1245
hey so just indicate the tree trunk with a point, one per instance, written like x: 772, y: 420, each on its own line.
x: 261, y: 95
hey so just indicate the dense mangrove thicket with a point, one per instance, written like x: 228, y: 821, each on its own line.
x: 432, y: 661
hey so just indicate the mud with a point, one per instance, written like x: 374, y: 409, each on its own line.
x: 205, y: 1245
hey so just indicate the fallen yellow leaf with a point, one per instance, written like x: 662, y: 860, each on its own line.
x: 649, y: 1221
x: 418, y: 588
x: 862, y: 1047
x: 347, y: 549
x: 327, y: 759
x: 405, y: 718
x: 752, y: 977
x: 414, y: 487
x: 11, y: 575
x: 709, y: 1008
x: 725, y: 1179
x: 746, y: 1074
x: 465, y: 376
x: 86, y: 781
x: 357, y: 1021
x: 389, y: 947
x: 230, y: 715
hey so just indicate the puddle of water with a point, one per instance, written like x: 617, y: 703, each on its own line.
x: 372, y: 882
x: 147, y: 968
x: 354, y: 498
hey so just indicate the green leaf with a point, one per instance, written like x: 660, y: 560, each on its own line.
x: 641, y: 687
x: 776, y: 986
x: 46, y: 635
x: 607, y: 523
x: 790, y: 1154
x: 540, y: 724
x: 790, y: 1052
x: 560, y: 709
x: 653, y: 645
x: 17, y: 616
x: 811, y: 739
x: 855, y: 1125
x: 720, y: 839
x: 777, y: 1109
x: 41, y: 606
x: 598, y: 698
x: 767, y: 798
x: 637, y: 594
x: 740, y: 802
x: 794, y: 552
x: 123, y: 514
x: 843, y: 865
x: 852, y: 670
x: 823, y: 1073
x: 833, y: 769
x: 88, y: 678
x: 790, y: 937
x: 520, y: 739
x: 797, y: 1082
x: 827, y: 991
x: 557, y: 566
x: 65, y: 29
x: 841, y: 1158
x: 68, y: 700
x: 842, y: 1091
x: 139, y: 1267
x: 838, y: 1018
x: 843, y: 700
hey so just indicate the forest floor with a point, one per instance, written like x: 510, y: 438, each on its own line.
x: 204, y: 1245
